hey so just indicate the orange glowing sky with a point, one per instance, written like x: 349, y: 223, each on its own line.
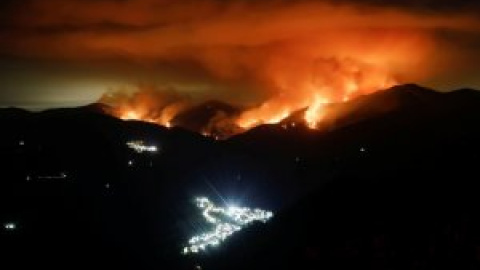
x: 257, y: 54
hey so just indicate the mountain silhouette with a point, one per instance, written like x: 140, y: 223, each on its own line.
x: 388, y: 182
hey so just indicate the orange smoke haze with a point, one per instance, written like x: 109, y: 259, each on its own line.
x: 288, y: 56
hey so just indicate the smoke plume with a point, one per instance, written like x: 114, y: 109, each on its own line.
x: 270, y: 57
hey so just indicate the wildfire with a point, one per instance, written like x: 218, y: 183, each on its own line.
x: 164, y: 119
x: 335, y: 82
x: 344, y: 81
x: 130, y: 115
x: 314, y: 112
x: 300, y: 57
x: 266, y: 116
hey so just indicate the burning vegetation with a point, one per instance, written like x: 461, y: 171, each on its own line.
x: 262, y: 62
x: 265, y: 59
x: 332, y: 81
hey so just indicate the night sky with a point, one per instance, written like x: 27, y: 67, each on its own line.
x: 70, y: 52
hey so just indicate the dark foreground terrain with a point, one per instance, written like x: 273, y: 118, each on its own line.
x: 391, y: 184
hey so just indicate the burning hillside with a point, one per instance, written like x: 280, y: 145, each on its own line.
x: 263, y: 62
x: 329, y: 81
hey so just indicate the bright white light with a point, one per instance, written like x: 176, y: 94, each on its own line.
x: 226, y: 221
x: 10, y: 226
x: 61, y: 175
x: 140, y: 147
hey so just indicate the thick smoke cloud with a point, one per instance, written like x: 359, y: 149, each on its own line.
x: 287, y: 55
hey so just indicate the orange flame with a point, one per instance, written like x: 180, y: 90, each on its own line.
x: 146, y: 104
x: 335, y: 82
x: 347, y: 80
x: 132, y: 114
x: 314, y: 112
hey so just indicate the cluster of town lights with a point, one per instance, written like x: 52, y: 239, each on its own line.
x: 225, y: 220
x: 140, y: 147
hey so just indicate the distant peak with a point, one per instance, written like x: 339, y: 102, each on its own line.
x: 467, y: 90
x: 412, y: 88
x: 97, y: 107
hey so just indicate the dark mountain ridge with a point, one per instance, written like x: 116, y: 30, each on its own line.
x: 390, y: 183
